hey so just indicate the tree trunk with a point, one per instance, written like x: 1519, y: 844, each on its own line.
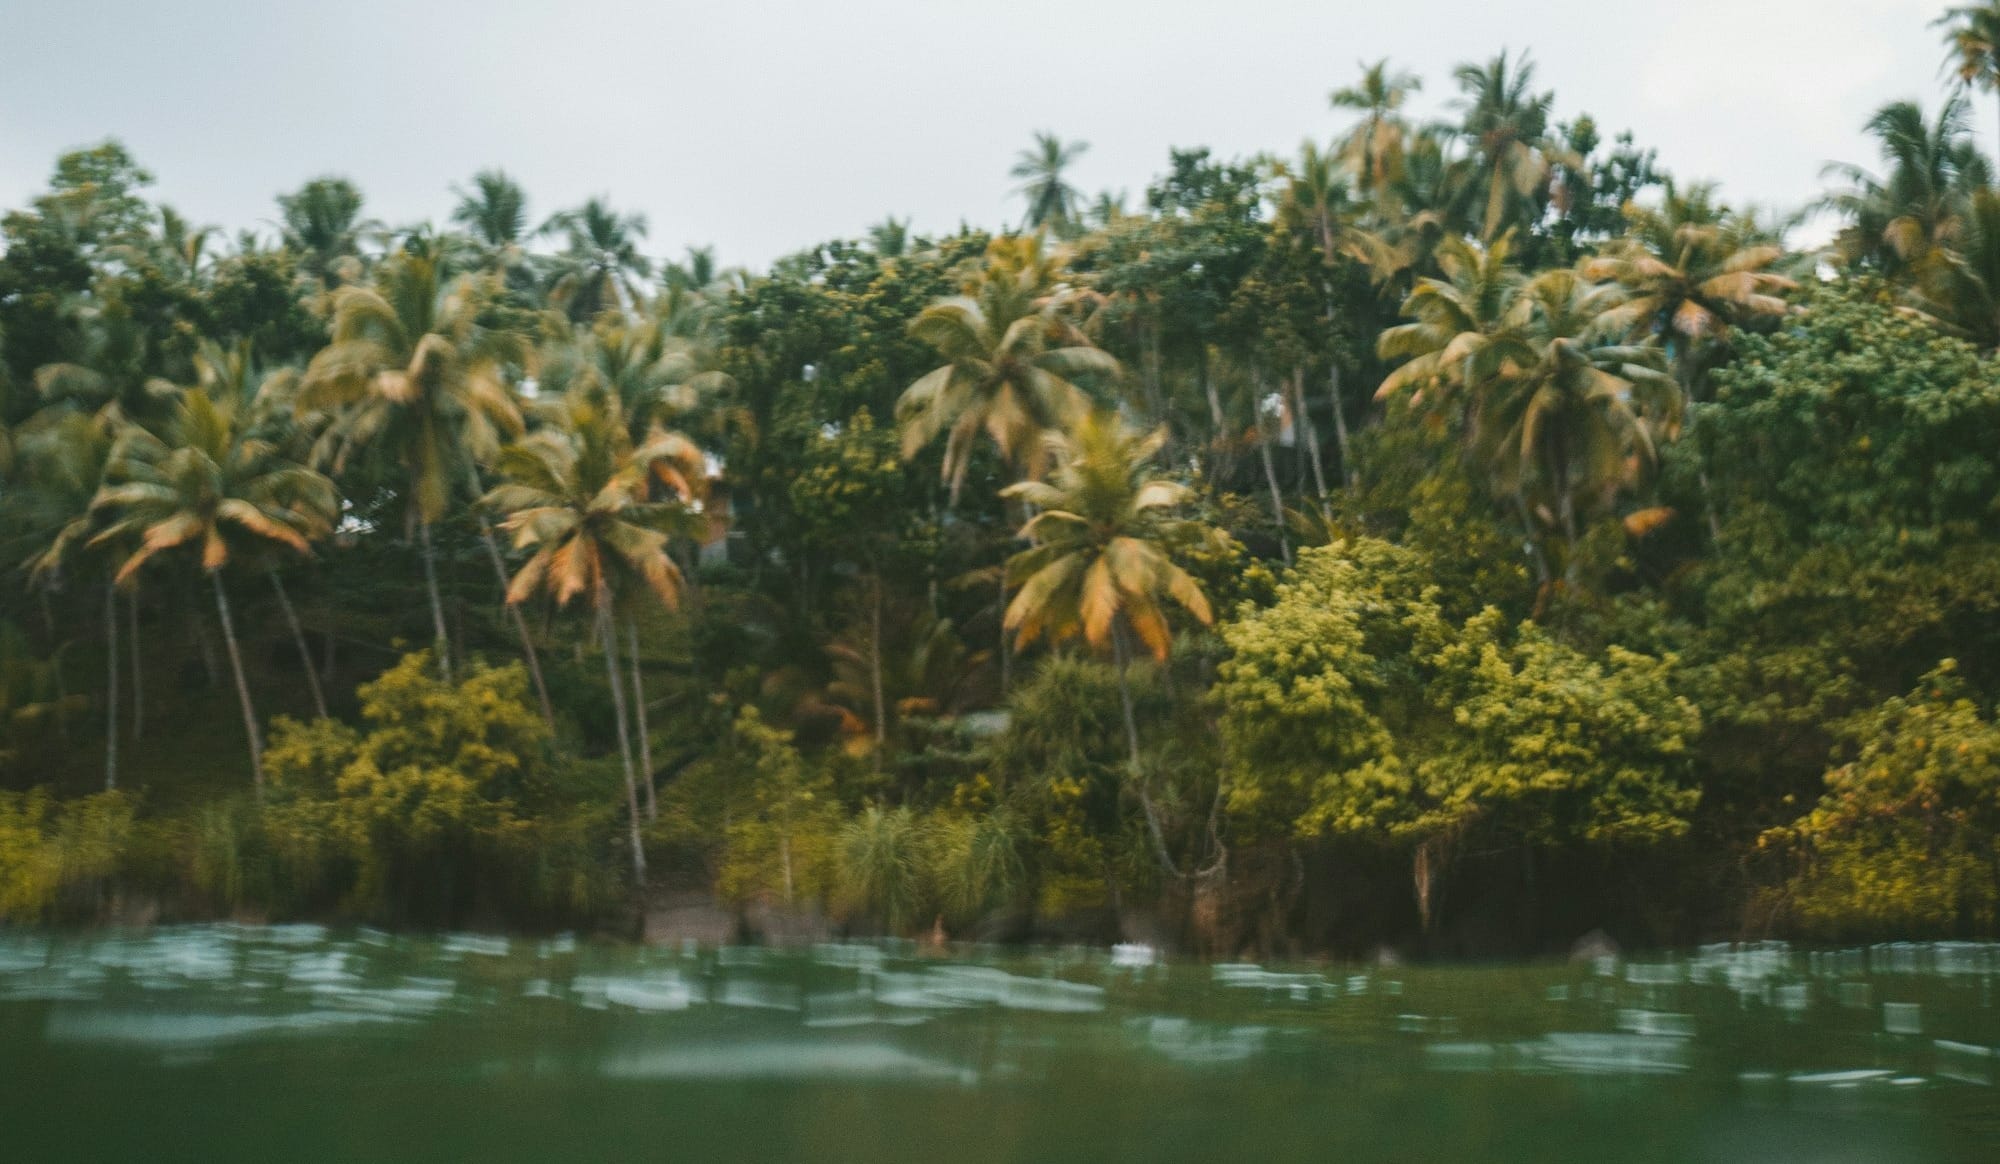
x: 1122, y: 652
x: 242, y: 682
x: 640, y: 729
x: 441, y: 641
x: 138, y: 666
x: 204, y: 645
x: 299, y: 639
x: 1215, y: 415
x: 112, y: 663
x: 1339, y: 423
x: 875, y: 673
x: 1534, y: 539
x: 610, y: 644
x: 1309, y: 433
x: 520, y: 623
x: 1271, y: 476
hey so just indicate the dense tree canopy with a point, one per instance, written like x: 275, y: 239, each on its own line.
x: 1457, y: 534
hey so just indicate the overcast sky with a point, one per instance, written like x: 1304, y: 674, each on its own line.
x: 762, y: 128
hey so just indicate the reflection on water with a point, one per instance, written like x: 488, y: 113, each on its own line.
x: 362, y: 1045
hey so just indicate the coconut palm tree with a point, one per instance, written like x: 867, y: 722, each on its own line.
x: 1693, y: 270
x: 1568, y: 410
x: 494, y: 212
x: 1372, y: 151
x: 1507, y: 125
x: 1961, y: 294
x: 1012, y: 355
x: 415, y: 378
x: 1098, y: 567
x: 1972, y: 44
x: 1905, y: 223
x: 63, y: 458
x: 1447, y: 344
x: 322, y: 224
x: 600, y: 268
x: 205, y: 486
x: 1052, y: 202
x: 575, y: 496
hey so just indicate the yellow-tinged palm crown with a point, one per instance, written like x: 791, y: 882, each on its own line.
x: 415, y: 374
x: 1100, y: 542
x: 1012, y: 355
x: 576, y: 495
x: 207, y: 485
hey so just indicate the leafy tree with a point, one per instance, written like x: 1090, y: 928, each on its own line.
x: 1905, y: 837
x: 785, y: 843
x: 1506, y: 124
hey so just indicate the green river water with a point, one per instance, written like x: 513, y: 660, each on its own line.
x: 295, y: 1043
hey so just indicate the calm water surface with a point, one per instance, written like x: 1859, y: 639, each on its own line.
x: 223, y: 1043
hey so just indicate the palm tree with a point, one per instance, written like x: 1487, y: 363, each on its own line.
x: 1556, y: 402
x: 1962, y: 293
x: 1097, y: 565
x: 1569, y: 413
x: 495, y: 213
x: 1693, y: 270
x: 322, y: 225
x: 207, y: 486
x: 63, y: 458
x: 1972, y: 44
x: 1052, y: 201
x: 575, y: 495
x: 1012, y: 356
x: 890, y: 238
x: 416, y: 379
x: 1905, y: 224
x: 1454, y: 318
x: 600, y: 268
x: 1372, y: 151
x: 1507, y: 124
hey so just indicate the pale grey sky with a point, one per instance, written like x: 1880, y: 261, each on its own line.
x: 764, y: 127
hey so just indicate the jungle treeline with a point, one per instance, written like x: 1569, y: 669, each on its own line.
x: 1457, y: 535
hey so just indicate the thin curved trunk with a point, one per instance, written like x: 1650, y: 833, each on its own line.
x: 610, y: 643
x: 1339, y: 422
x: 138, y: 668
x: 1534, y: 539
x: 875, y: 673
x: 1309, y: 433
x: 1271, y: 476
x: 299, y: 640
x: 1122, y: 652
x: 242, y: 682
x: 644, y: 733
x: 528, y: 652
x: 112, y: 663
x: 441, y: 640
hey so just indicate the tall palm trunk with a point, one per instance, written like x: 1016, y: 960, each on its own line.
x: 875, y: 672
x: 441, y: 640
x: 1271, y: 475
x: 1339, y: 415
x: 1528, y: 530
x: 112, y: 663
x: 242, y: 682
x: 610, y: 643
x: 528, y: 652
x: 1309, y: 433
x: 1122, y: 652
x: 299, y: 640
x: 138, y: 668
x: 644, y: 733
